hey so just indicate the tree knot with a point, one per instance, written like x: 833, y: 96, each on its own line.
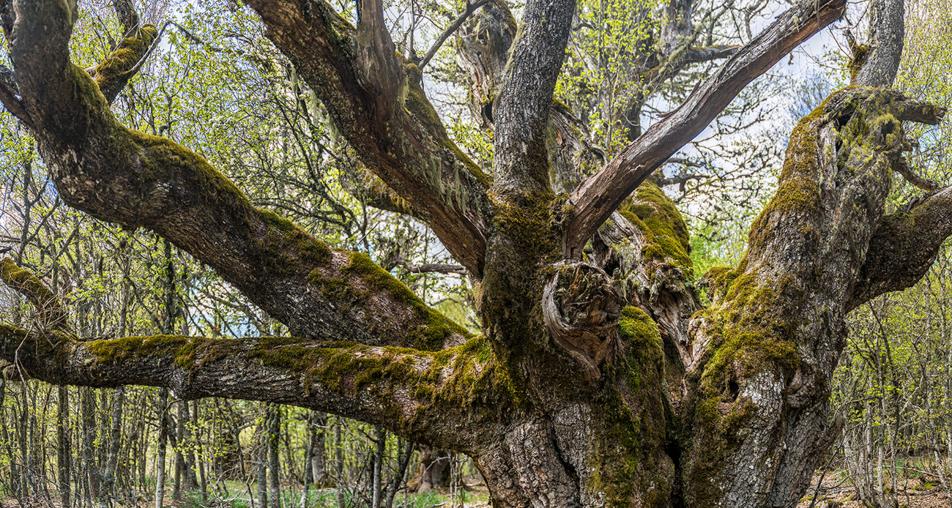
x: 581, y: 310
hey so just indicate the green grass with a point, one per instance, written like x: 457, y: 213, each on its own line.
x: 237, y: 497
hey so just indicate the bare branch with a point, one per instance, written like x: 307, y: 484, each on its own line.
x: 900, y: 166
x: 450, y: 30
x: 436, y: 268
x: 601, y: 194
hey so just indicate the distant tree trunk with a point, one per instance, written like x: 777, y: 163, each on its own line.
x: 340, y: 482
x: 308, y: 463
x: 380, y: 450
x: 115, y: 442
x: 88, y: 409
x: 405, y: 453
x: 273, y: 422
x: 261, y: 462
x: 318, y: 430
x: 64, y: 454
x: 313, y: 454
x: 170, y: 311
x: 162, y: 403
x: 434, y: 472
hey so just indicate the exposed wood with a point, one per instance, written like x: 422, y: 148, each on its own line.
x: 600, y: 195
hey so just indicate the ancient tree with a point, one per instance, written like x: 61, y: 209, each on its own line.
x: 599, y: 379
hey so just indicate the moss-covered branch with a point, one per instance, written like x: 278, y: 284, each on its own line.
x: 904, y: 247
x: 113, y: 73
x: 48, y: 307
x: 454, y: 398
x: 138, y: 180
x: 766, y: 349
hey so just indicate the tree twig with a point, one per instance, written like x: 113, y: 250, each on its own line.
x: 454, y: 26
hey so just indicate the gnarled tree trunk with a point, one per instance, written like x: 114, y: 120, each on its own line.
x: 598, y: 379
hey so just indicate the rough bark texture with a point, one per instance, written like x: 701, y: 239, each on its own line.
x: 397, y: 134
x: 597, y: 381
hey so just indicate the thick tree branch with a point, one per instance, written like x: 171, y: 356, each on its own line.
x: 484, y: 44
x: 878, y: 61
x: 903, y: 247
x: 521, y: 112
x: 379, y: 70
x: 137, y: 180
x: 114, y: 73
x: 126, y: 12
x: 429, y: 396
x: 405, y: 143
x: 767, y: 347
x: 600, y: 195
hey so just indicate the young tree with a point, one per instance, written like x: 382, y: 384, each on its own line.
x: 598, y: 378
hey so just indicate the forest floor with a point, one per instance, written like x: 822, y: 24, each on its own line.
x: 836, y: 491
x: 323, y: 498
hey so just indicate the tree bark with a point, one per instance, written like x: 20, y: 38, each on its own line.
x: 594, y: 381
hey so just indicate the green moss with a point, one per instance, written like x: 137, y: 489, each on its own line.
x: 167, y: 159
x: 748, y: 333
x: 291, y: 238
x: 640, y: 333
x: 123, y: 61
x: 289, y: 244
x: 463, y: 375
x: 113, y: 351
x: 717, y: 279
x: 748, y: 329
x: 186, y: 352
x: 361, y: 279
x: 527, y: 219
x: 666, y: 234
x: 858, y: 59
x: 629, y: 462
x: 798, y: 191
x: 25, y: 282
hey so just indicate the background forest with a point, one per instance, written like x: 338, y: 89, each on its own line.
x: 215, y: 84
